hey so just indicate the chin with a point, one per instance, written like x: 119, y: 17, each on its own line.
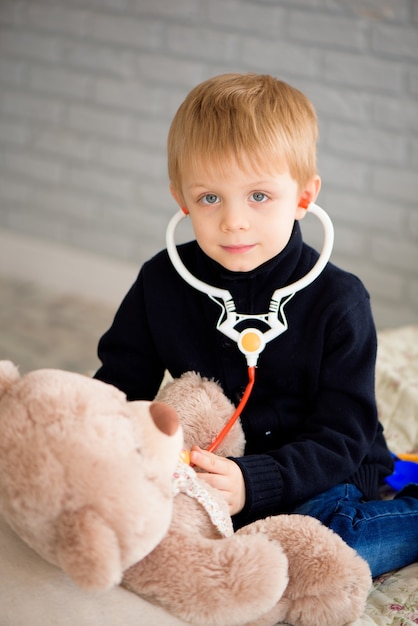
x: 240, y: 267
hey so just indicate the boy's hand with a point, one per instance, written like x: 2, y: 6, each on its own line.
x: 222, y: 474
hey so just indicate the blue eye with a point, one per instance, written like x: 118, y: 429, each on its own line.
x: 210, y: 198
x: 258, y: 196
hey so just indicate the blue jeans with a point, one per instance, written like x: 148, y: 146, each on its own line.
x: 383, y: 532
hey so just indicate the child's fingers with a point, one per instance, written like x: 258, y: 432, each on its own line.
x: 207, y: 461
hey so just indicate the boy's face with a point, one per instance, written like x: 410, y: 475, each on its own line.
x: 242, y: 218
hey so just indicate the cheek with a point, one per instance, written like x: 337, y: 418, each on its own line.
x: 202, y: 229
x: 278, y: 232
x: 196, y: 227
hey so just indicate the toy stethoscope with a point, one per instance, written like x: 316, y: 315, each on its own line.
x: 251, y: 341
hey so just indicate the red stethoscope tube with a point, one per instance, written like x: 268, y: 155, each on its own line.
x: 225, y: 430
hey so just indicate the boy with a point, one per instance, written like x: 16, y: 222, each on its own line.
x: 242, y: 164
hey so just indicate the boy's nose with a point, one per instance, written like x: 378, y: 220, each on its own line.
x: 234, y: 218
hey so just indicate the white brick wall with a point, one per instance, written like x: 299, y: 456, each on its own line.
x: 88, y: 89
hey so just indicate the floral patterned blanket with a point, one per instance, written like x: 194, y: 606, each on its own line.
x: 393, y: 600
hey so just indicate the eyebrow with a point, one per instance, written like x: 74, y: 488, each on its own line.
x: 257, y: 183
x: 195, y: 186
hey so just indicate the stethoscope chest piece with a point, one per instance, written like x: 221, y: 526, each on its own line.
x: 251, y: 342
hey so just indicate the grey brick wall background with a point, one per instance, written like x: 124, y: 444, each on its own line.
x: 88, y: 89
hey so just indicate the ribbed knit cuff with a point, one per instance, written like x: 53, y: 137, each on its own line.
x: 367, y: 479
x: 264, y: 488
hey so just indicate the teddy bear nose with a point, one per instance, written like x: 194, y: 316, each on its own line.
x: 165, y: 418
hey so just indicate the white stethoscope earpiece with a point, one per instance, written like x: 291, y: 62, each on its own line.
x: 251, y: 341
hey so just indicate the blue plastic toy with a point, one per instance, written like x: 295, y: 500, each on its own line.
x: 405, y: 472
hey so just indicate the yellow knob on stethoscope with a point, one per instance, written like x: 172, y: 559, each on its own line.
x: 251, y: 342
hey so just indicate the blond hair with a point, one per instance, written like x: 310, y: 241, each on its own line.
x: 254, y: 118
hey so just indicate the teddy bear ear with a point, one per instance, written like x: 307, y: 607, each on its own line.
x: 9, y: 374
x: 165, y: 417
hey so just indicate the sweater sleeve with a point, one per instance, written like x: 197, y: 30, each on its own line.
x: 127, y: 352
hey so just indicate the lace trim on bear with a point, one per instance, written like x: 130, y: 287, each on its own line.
x: 187, y: 482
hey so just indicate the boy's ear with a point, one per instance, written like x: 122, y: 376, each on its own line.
x: 177, y: 197
x: 309, y: 194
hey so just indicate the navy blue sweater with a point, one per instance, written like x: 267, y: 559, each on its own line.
x: 311, y: 421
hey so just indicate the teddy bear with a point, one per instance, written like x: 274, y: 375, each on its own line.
x: 98, y: 486
x: 85, y: 477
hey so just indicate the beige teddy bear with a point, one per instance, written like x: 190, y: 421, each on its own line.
x: 94, y: 484
x: 85, y: 477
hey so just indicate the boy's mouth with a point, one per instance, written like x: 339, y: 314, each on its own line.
x: 238, y: 248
